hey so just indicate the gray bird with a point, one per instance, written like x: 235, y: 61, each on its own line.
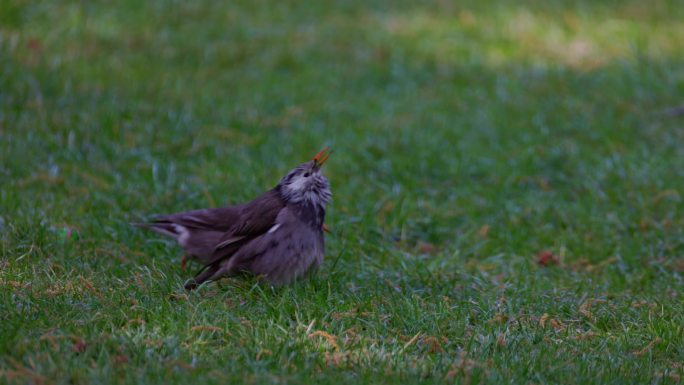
x: 278, y: 236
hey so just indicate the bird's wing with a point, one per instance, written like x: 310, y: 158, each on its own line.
x: 255, y: 219
x: 258, y: 216
x: 288, y: 250
x: 197, y: 231
x: 256, y: 223
x: 212, y: 234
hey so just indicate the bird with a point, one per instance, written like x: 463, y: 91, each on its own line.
x: 278, y: 236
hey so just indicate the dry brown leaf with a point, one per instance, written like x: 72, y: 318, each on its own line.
x: 179, y: 296
x: 501, y: 340
x: 181, y: 364
x: 138, y: 321
x: 546, y: 319
x: 202, y: 328
x: 336, y: 359
x: 543, y: 319
x: 426, y: 248
x: 15, y: 284
x: 584, y: 308
x: 351, y: 336
x: 79, y: 346
x: 463, y: 366
x: 638, y: 304
x: 52, y: 340
x: 121, y: 359
x: 546, y: 258
x: 331, y: 339
x: 138, y: 279
x: 262, y: 353
x: 556, y: 324
x: 586, y: 336
x: 354, y: 313
x: 601, y: 264
x: 677, y: 265
x: 34, y: 44
x: 23, y: 373
x: 648, y: 347
x: 499, y: 318
x: 433, y: 344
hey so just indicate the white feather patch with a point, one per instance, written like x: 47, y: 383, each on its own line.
x: 274, y: 228
x: 298, y: 184
x: 183, y: 234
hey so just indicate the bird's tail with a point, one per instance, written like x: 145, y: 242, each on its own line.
x: 162, y: 227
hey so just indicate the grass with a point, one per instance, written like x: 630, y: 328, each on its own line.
x: 469, y: 137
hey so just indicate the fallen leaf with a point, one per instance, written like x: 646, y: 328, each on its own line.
x: 432, y: 344
x: 179, y: 296
x: 120, y: 359
x: 648, y: 347
x: 546, y: 319
x: 34, y: 44
x: 332, y: 340
x: 501, y: 340
x: 543, y: 319
x: 336, y: 359
x: 584, y: 308
x: 201, y: 328
x: 79, y: 346
x: 547, y: 258
x: 586, y: 336
x: 673, y: 376
x: 181, y: 364
x: 22, y: 372
x: 262, y: 353
x: 426, y: 248
x: 138, y: 321
x: 15, y: 284
x: 676, y: 265
x: 638, y: 304
x: 556, y: 324
x: 601, y: 264
x: 462, y: 366
x: 499, y: 318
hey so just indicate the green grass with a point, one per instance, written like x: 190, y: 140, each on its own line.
x: 468, y: 137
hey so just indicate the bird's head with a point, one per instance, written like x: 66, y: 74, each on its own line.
x: 306, y: 184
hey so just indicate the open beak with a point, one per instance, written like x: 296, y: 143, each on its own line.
x: 322, y: 156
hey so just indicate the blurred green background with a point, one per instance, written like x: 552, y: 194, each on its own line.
x: 469, y: 136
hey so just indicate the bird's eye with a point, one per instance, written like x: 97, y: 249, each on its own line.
x: 306, y: 174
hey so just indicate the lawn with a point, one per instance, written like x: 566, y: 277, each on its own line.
x: 471, y: 139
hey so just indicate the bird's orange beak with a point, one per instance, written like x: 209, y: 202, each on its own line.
x: 322, y: 156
